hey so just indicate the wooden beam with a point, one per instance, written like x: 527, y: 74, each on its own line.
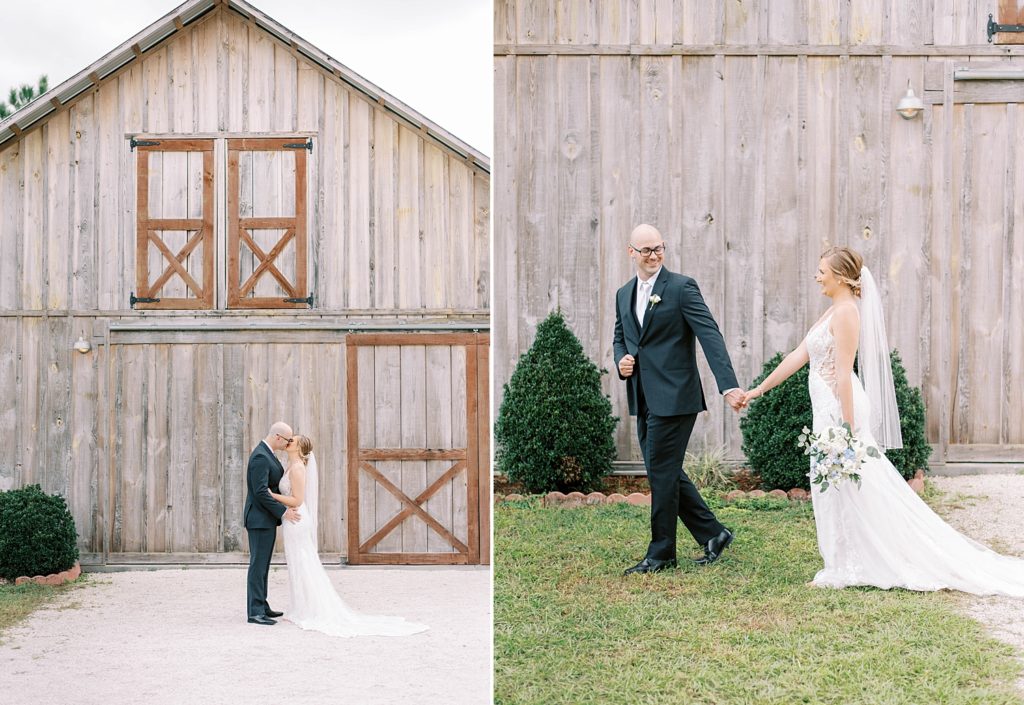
x: 94, y: 77
x: 412, y: 454
x: 55, y: 102
x: 18, y: 132
x: 137, y: 50
x: 753, y: 50
x: 179, y: 24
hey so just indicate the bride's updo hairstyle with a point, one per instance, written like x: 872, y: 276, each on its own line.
x: 846, y: 265
x: 305, y: 447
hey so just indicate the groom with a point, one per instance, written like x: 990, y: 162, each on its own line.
x: 262, y: 516
x: 658, y: 314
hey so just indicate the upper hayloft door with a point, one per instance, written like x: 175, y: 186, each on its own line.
x: 267, y: 223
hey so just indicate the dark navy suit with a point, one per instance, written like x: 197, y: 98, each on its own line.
x: 262, y: 515
x: 665, y: 394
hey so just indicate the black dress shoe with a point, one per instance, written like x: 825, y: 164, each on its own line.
x: 260, y: 619
x: 715, y: 547
x: 274, y: 613
x: 651, y: 565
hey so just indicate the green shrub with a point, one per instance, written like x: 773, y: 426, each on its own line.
x: 554, y: 428
x: 708, y: 470
x: 37, y: 533
x: 773, y: 422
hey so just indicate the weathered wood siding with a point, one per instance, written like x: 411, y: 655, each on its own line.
x: 148, y: 439
x: 753, y: 135
x: 383, y: 199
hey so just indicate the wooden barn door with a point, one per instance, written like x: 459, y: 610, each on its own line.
x: 267, y: 223
x: 984, y: 354
x: 174, y: 229
x: 417, y: 430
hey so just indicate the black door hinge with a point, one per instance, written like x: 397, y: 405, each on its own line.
x: 142, y: 300
x: 308, y: 144
x: 993, y: 28
x: 308, y: 301
x: 142, y: 143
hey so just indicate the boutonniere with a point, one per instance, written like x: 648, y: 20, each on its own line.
x: 655, y: 300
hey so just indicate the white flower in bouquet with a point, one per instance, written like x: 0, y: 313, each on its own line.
x: 836, y: 455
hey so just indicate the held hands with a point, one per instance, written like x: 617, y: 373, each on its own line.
x: 292, y: 516
x: 735, y: 399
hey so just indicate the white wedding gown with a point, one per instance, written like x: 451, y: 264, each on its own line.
x: 315, y: 604
x: 882, y: 534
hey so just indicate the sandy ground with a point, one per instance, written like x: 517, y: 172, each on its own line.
x: 168, y: 637
x: 990, y: 509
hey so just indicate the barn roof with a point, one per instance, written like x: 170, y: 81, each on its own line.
x: 179, y: 19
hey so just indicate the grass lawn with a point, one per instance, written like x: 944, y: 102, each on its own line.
x: 16, y: 603
x: 569, y: 628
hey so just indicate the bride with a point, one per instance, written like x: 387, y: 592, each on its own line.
x: 314, y: 602
x: 881, y: 533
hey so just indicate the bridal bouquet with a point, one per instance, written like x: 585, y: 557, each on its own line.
x: 836, y: 455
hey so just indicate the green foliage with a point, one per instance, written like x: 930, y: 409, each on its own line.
x: 23, y: 95
x: 772, y: 426
x: 554, y: 428
x: 708, y: 470
x: 37, y: 533
x: 916, y: 449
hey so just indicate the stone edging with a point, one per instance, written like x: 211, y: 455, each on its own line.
x: 66, y: 576
x: 578, y: 499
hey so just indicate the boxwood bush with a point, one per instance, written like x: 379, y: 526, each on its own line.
x: 771, y: 426
x: 554, y: 427
x: 37, y: 533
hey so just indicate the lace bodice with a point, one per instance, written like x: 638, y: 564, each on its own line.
x: 821, y: 349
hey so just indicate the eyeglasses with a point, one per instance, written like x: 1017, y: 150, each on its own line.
x: 648, y: 251
x: 286, y: 440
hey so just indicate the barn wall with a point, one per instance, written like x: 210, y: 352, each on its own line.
x: 753, y: 135
x: 398, y: 237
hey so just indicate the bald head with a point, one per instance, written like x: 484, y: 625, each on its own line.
x: 645, y: 235
x: 277, y: 437
x: 647, y: 250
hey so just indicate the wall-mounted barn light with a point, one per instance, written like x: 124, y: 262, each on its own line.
x: 82, y: 345
x: 910, y: 105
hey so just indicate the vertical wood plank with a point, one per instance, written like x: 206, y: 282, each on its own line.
x: 435, y: 229
x: 85, y: 164
x: 410, y: 253
x: 208, y: 510
x: 366, y: 361
x: 10, y: 333
x: 333, y: 232
x: 414, y: 413
x: 386, y: 407
x: 236, y: 455
x: 260, y: 103
x: 385, y: 178
x: 181, y: 480
x: 33, y: 243
x: 83, y: 422
x: 12, y: 225
x: 56, y: 406
x: 438, y: 423
x: 130, y: 464
x: 284, y: 113
x: 157, y: 442
x: 357, y: 233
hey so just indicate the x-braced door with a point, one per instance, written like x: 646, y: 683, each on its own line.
x: 417, y: 410
x: 174, y: 229
x: 267, y: 223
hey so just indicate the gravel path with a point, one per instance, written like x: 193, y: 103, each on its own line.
x: 167, y: 637
x: 989, y: 509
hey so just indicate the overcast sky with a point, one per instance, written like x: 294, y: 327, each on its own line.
x: 433, y: 55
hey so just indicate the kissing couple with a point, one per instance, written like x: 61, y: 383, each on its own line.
x: 878, y: 532
x: 275, y: 492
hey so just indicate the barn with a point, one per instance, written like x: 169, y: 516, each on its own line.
x: 753, y: 134
x: 216, y: 226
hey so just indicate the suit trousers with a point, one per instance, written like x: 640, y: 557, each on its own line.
x: 261, y: 549
x: 663, y: 441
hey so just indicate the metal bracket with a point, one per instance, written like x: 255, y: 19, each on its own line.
x: 142, y: 143
x: 308, y: 144
x: 142, y: 300
x: 308, y: 301
x: 993, y: 28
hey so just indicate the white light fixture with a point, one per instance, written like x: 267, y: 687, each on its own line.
x: 910, y: 105
x: 82, y: 345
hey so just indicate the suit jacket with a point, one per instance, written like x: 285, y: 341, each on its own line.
x: 263, y: 474
x: 664, y: 347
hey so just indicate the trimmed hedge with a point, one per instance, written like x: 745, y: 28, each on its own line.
x: 554, y: 428
x: 773, y: 422
x: 37, y: 533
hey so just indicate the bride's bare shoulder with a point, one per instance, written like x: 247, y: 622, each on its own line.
x: 297, y: 468
x: 846, y: 311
